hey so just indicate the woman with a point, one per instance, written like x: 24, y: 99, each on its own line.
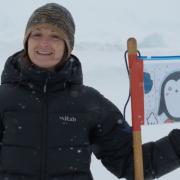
x: 51, y: 122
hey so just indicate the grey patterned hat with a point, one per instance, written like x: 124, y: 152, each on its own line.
x: 57, y: 16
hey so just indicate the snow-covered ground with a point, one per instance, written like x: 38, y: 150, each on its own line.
x: 102, y: 29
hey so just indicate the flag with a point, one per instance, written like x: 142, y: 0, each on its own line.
x: 159, y: 88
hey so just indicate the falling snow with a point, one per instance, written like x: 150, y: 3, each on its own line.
x: 79, y: 151
x: 105, y: 69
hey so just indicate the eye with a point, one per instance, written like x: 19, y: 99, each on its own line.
x: 35, y: 35
x: 55, y: 37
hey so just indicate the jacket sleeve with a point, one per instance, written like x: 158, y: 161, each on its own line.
x: 159, y: 158
x: 112, y: 144
x: 1, y: 131
x: 111, y: 138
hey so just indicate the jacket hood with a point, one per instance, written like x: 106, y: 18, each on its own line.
x: 17, y: 72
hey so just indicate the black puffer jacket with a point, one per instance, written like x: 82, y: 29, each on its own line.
x: 51, y: 123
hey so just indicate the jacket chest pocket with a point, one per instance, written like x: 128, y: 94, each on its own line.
x: 71, y: 129
x: 21, y: 128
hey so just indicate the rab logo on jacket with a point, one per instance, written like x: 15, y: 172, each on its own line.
x: 68, y: 119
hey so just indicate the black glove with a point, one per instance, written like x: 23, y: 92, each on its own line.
x: 174, y: 137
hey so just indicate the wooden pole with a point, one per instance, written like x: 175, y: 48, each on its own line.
x: 136, y: 90
x: 138, y: 161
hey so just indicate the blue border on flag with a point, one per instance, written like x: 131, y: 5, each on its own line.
x: 159, y: 57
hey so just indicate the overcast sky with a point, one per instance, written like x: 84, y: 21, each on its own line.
x: 104, y: 21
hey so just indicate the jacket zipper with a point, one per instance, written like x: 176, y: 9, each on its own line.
x: 44, y: 132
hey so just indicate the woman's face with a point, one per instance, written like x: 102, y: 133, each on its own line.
x: 45, y: 47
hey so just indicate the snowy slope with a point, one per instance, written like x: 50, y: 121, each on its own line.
x: 103, y: 28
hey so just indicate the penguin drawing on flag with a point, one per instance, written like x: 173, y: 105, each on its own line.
x: 170, y: 98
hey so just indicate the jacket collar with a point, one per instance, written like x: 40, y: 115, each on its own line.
x: 17, y: 72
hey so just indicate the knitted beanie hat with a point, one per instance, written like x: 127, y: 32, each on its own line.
x: 58, y: 17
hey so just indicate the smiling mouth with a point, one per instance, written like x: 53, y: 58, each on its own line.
x: 44, y: 53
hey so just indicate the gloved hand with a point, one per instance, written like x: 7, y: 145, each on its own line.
x: 174, y: 137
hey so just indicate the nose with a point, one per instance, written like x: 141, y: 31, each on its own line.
x: 44, y: 42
